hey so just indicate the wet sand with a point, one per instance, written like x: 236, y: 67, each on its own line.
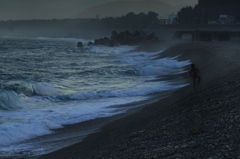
x: 187, y: 124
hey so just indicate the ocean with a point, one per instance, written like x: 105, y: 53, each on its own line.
x: 47, y: 83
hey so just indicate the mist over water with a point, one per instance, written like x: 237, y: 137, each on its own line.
x: 48, y: 83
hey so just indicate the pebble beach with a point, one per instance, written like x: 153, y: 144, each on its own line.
x: 201, y: 123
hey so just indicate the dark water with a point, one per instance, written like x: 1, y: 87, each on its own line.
x: 47, y: 83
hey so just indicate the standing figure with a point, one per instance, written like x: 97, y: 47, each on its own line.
x: 194, y: 74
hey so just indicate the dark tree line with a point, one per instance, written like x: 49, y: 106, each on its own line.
x: 129, y: 21
x: 132, y: 21
x: 124, y: 38
x: 207, y: 10
x: 204, y: 11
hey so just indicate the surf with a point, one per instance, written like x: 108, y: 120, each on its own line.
x: 54, y: 83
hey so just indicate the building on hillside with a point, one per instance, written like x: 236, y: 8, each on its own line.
x: 172, y: 18
x: 226, y: 19
x: 212, y: 22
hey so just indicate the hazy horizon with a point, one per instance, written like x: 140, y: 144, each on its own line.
x: 62, y: 9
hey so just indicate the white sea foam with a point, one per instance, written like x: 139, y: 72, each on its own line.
x: 44, y: 89
x: 61, y: 39
x: 42, y: 107
x: 30, y: 88
x: 113, y: 50
x: 86, y: 105
x: 141, y: 90
x: 30, y: 122
x: 147, y: 63
x: 164, y: 66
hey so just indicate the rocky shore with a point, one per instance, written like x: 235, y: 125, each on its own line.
x: 208, y: 127
x: 124, y: 38
x: 204, y: 123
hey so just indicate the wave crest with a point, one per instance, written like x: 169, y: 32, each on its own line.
x: 9, y: 101
x: 30, y: 88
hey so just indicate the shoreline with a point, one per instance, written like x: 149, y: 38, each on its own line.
x: 176, y: 126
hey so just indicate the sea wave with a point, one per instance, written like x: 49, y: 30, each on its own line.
x: 79, y: 84
x: 29, y: 88
x: 61, y: 39
x: 9, y: 100
x: 141, y: 90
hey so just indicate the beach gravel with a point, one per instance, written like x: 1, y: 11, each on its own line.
x: 208, y: 129
x: 201, y: 123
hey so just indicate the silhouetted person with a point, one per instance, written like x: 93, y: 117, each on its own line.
x: 194, y: 73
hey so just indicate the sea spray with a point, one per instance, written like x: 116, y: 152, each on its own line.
x: 49, y: 83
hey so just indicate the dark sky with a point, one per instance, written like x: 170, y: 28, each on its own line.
x: 59, y: 9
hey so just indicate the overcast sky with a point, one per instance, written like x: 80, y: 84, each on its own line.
x: 58, y: 9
